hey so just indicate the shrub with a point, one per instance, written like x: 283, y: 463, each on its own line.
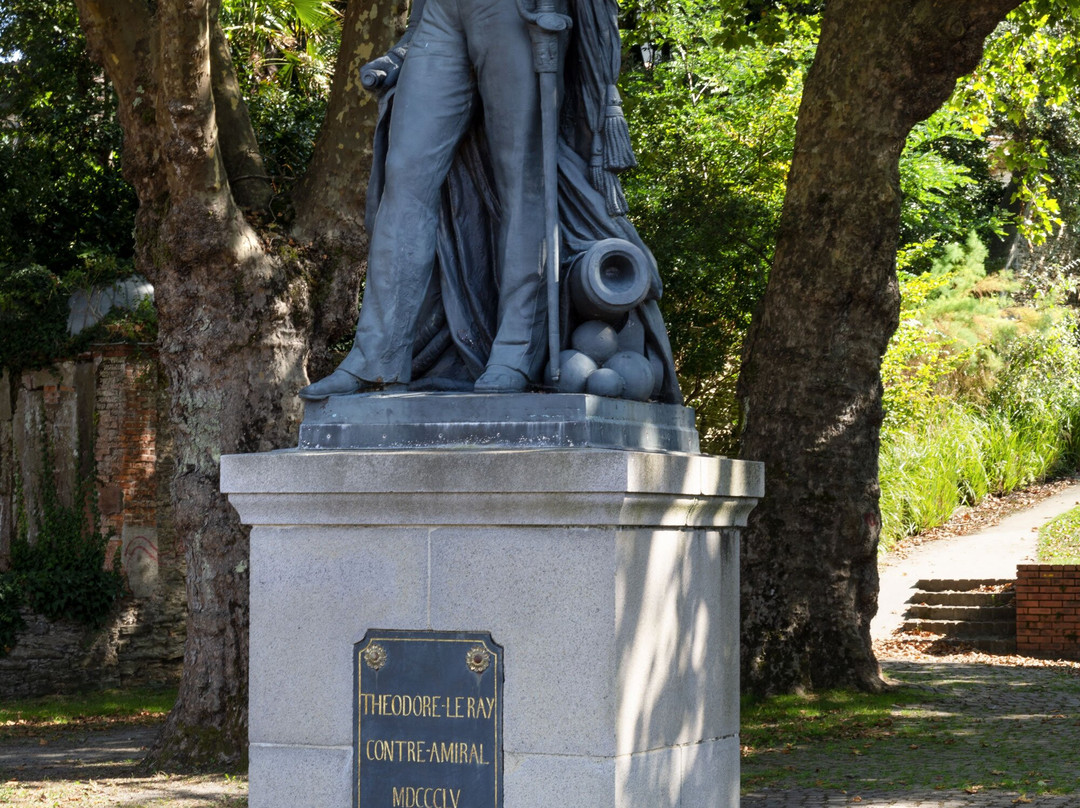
x: 62, y: 574
x: 981, y: 396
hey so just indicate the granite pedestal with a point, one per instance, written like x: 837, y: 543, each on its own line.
x: 609, y: 577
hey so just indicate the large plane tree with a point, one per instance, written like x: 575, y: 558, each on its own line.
x: 811, y: 378
x: 244, y: 310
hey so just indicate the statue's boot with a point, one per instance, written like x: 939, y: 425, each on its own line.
x: 343, y: 383
x: 500, y: 379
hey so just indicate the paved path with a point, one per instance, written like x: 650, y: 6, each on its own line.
x: 990, y: 553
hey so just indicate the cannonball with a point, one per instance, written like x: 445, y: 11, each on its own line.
x: 605, y: 382
x: 596, y: 339
x: 658, y: 372
x: 637, y: 374
x: 574, y: 369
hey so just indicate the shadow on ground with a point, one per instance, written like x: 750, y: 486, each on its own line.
x: 984, y: 735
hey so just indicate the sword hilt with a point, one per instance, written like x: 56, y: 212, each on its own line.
x: 545, y: 25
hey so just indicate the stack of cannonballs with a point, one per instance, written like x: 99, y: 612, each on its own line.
x: 607, y: 354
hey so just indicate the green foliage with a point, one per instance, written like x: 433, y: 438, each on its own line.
x: 284, y: 52
x: 1041, y: 374
x: 961, y: 454
x: 11, y: 598
x: 286, y: 125
x: 62, y: 574
x: 920, y: 358
x: 65, y: 211
x: 60, y: 184
x: 946, y: 183
x: 290, y: 43
x: 33, y: 315
x: 63, y: 570
x: 982, y: 396
x: 1059, y: 539
x: 1019, y: 100
x: 34, y: 308
x: 712, y: 102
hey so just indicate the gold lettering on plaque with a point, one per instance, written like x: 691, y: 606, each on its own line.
x: 453, y: 752
x: 409, y: 797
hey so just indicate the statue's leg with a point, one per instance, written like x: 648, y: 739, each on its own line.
x: 432, y: 109
x: 501, y: 52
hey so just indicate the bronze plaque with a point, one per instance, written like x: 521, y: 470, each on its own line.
x: 428, y: 729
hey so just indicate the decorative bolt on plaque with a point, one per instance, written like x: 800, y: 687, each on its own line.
x: 375, y: 656
x: 478, y: 659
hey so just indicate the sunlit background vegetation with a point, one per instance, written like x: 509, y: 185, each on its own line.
x: 982, y: 379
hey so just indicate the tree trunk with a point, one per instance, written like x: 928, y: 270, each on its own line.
x: 331, y: 197
x: 811, y: 380
x: 235, y: 318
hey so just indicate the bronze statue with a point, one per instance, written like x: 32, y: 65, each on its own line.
x: 466, y: 249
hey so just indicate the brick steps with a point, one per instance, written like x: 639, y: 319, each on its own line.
x: 962, y: 614
x: 981, y: 612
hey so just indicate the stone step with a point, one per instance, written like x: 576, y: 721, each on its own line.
x: 988, y: 645
x: 963, y: 598
x: 963, y: 630
x: 967, y: 614
x: 959, y: 584
x: 992, y: 645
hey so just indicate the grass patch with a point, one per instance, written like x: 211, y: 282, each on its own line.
x: 1059, y: 539
x: 777, y: 732
x: 960, y: 454
x: 781, y: 722
x: 106, y: 709
x: 958, y: 727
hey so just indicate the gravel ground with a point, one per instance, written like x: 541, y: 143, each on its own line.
x: 99, y: 768
x: 1006, y: 731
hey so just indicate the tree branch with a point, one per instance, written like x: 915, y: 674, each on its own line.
x: 248, y: 179
x: 188, y: 124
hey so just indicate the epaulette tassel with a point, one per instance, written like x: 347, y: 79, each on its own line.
x: 613, y: 195
x: 597, y: 171
x: 618, y: 153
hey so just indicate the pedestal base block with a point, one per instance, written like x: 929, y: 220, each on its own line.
x: 540, y: 420
x: 609, y: 578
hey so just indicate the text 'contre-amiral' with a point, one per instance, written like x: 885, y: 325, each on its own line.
x: 456, y: 752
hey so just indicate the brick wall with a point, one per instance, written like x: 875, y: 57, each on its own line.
x: 104, y: 413
x: 125, y: 452
x: 1048, y: 610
